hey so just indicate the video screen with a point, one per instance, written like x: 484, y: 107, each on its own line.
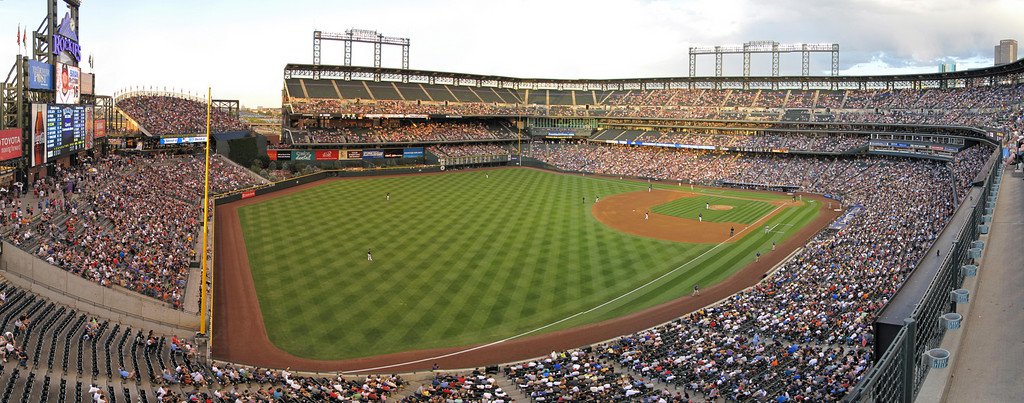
x: 65, y: 130
x: 69, y: 81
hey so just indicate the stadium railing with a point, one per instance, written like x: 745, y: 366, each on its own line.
x: 898, y: 373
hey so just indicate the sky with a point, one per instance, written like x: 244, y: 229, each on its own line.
x: 239, y: 48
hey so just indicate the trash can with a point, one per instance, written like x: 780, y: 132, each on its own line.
x: 968, y: 270
x: 978, y: 244
x: 960, y: 296
x: 974, y: 253
x: 951, y: 320
x: 937, y: 358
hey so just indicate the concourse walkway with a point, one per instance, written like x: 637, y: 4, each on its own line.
x: 989, y: 366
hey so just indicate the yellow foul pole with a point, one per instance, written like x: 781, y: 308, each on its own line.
x: 206, y: 206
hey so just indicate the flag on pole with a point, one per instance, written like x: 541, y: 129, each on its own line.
x: 18, y: 37
x: 24, y: 39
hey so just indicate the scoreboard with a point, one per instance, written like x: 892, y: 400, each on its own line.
x: 65, y: 130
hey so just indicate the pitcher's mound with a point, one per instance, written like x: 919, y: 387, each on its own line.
x: 719, y: 207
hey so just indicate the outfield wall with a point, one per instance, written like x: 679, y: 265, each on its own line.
x: 302, y: 180
x: 114, y: 303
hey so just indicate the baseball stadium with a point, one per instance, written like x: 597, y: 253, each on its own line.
x: 398, y: 234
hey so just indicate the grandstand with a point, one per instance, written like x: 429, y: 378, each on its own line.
x: 104, y: 292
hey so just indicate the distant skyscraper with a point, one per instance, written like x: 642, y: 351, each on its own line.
x: 1006, y: 52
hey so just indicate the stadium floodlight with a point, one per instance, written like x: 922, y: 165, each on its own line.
x: 353, y: 35
x: 772, y: 47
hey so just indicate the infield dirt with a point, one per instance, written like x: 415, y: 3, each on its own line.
x: 625, y: 212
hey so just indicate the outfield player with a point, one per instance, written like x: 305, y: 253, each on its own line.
x: 369, y: 255
x: 700, y: 217
x: 707, y: 206
x: 388, y: 197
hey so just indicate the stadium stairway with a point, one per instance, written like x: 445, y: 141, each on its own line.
x: 514, y: 393
x: 61, y: 363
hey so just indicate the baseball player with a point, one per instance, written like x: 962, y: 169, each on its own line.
x: 388, y: 197
x: 647, y: 215
x: 369, y: 255
x: 700, y: 217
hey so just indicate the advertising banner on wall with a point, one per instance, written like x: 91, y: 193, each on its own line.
x: 302, y: 155
x: 40, y: 75
x: 373, y: 154
x: 89, y: 127
x: 100, y: 128
x: 279, y: 155
x: 88, y: 83
x: 326, y: 155
x: 353, y: 154
x: 10, y: 144
x: 413, y: 152
x: 38, y: 134
x: 182, y: 140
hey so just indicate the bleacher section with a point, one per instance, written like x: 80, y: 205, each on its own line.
x: 412, y: 92
x: 351, y: 89
x: 990, y: 107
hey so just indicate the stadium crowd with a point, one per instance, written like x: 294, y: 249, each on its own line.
x: 576, y: 375
x: 130, y: 221
x: 793, y: 142
x: 802, y: 333
x: 166, y: 115
x: 476, y: 387
x: 983, y: 106
x: 465, y: 150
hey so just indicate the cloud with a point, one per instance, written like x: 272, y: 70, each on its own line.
x: 881, y: 64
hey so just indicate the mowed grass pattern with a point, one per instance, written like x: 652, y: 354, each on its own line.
x: 743, y: 211
x: 459, y: 259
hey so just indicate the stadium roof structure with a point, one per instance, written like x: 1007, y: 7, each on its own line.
x: 1007, y: 73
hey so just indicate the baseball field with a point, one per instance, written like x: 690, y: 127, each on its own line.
x: 475, y: 257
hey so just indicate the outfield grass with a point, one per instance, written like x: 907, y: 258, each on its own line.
x: 460, y: 258
x: 743, y: 211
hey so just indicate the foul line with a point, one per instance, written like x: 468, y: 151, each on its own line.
x: 494, y: 343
